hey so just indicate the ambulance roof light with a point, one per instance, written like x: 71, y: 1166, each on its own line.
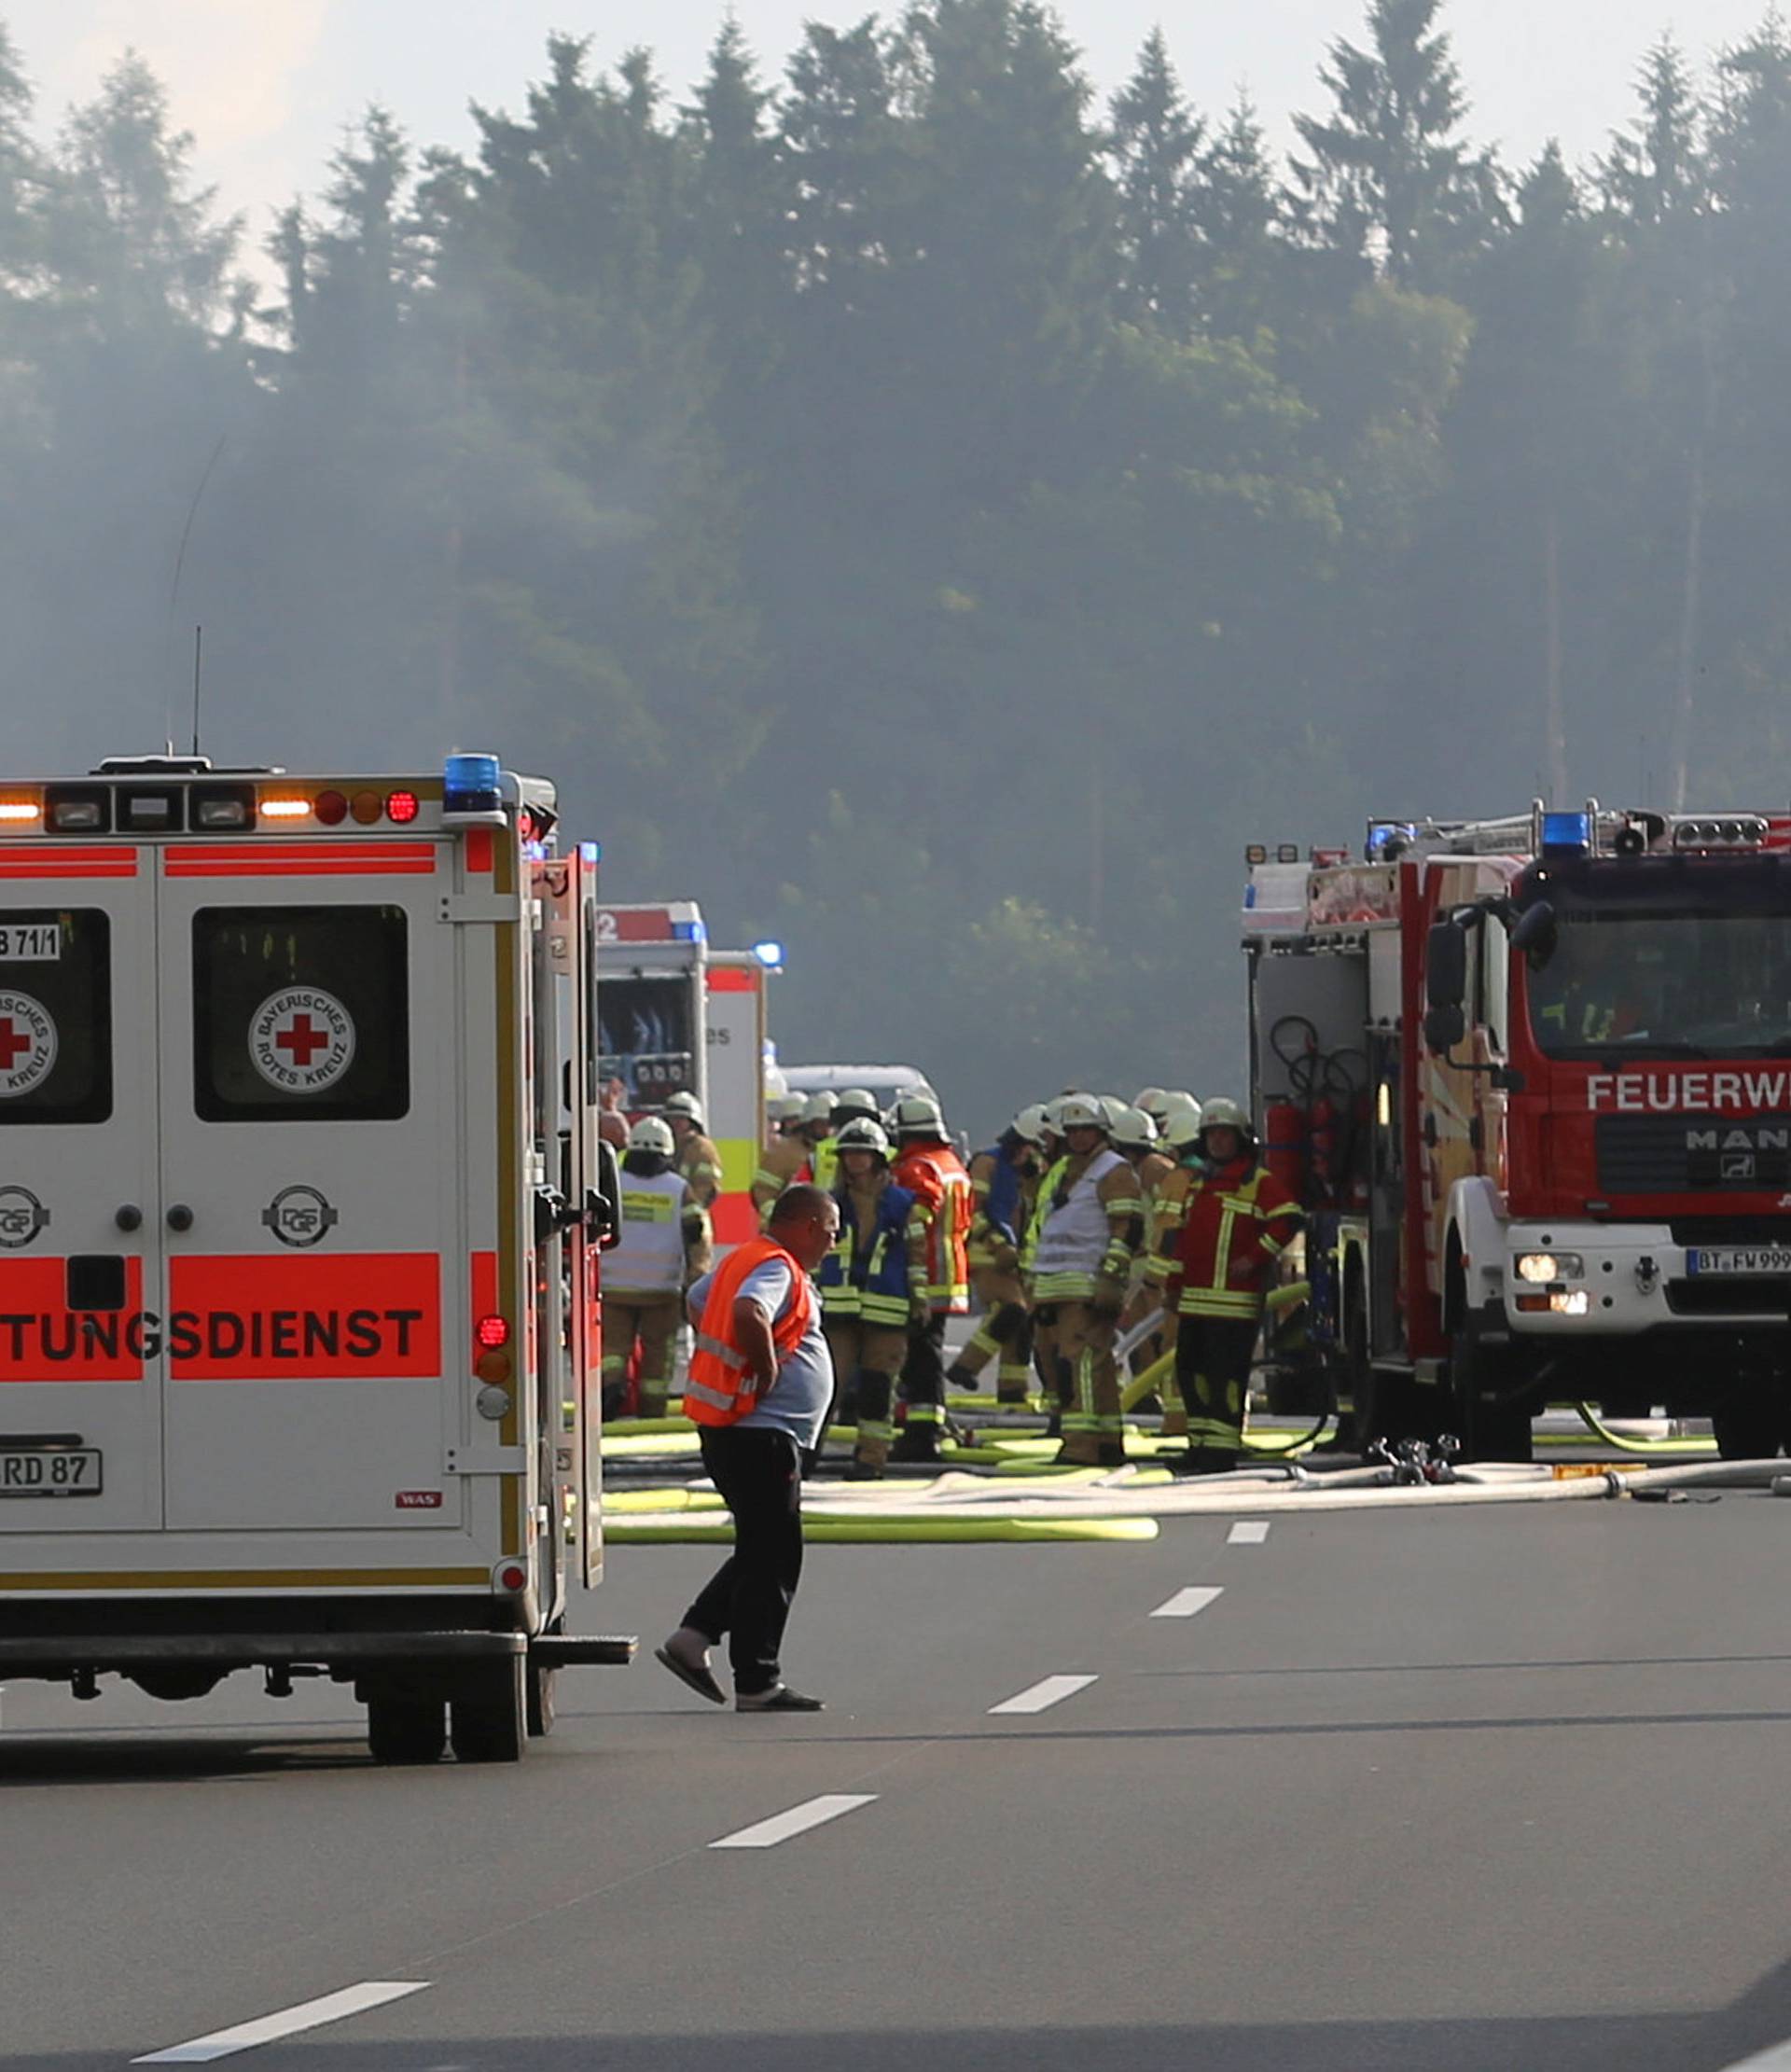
x: 19, y: 812
x: 471, y: 784
x: 1566, y: 834
x: 770, y: 954
x: 590, y: 852
x: 689, y: 931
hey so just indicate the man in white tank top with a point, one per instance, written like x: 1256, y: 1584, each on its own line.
x: 664, y: 1247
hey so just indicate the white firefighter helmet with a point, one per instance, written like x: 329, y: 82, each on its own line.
x: 818, y: 1107
x: 1133, y: 1129
x: 652, y: 1133
x: 783, y: 1108
x: 1030, y: 1123
x: 1083, y: 1111
x: 919, y: 1115
x: 862, y: 1133
x: 1182, y: 1127
x: 1222, y: 1114
x: 855, y: 1100
x: 687, y: 1105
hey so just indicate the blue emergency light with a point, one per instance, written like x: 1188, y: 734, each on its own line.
x: 1566, y: 834
x: 687, y: 931
x: 590, y: 852
x: 770, y: 954
x: 470, y: 783
x: 1387, y: 838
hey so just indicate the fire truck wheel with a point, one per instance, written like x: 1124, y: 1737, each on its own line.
x: 1492, y: 1428
x: 489, y: 1713
x: 404, y: 1729
x: 541, y: 1682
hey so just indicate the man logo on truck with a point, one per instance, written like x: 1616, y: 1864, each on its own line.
x: 27, y: 1044
x: 21, y: 1217
x: 301, y: 1040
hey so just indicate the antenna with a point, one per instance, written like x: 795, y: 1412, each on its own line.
x: 199, y: 658
x: 180, y: 564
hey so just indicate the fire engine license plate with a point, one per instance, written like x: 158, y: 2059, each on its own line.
x: 50, y: 1471
x: 1727, y: 1259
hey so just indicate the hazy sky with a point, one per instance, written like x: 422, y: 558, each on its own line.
x: 267, y: 84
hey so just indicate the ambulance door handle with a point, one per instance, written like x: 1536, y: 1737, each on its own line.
x: 180, y: 1218
x: 129, y: 1218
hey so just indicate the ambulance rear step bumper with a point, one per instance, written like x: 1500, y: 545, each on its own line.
x: 41, y: 1655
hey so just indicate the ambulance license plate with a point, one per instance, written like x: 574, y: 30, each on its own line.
x: 50, y: 1471
x: 1740, y: 1259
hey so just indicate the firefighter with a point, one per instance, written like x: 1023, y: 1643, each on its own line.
x: 664, y: 1247
x: 696, y: 1157
x: 1164, y: 1213
x: 857, y: 1104
x: 998, y: 1195
x: 1135, y: 1137
x: 781, y: 1111
x: 790, y: 1158
x: 612, y: 1117
x: 873, y: 1285
x: 1239, y: 1222
x: 928, y: 1166
x: 1090, y: 1227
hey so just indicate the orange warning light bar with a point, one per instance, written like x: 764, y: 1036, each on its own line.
x: 284, y: 809
x: 20, y: 811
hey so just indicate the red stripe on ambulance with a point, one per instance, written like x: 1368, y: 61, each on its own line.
x: 333, y: 1319
x: 17, y: 861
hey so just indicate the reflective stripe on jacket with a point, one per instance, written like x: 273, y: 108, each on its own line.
x: 713, y: 1390
x: 868, y: 1279
x: 648, y: 1255
x: 935, y: 1174
x: 1240, y: 1218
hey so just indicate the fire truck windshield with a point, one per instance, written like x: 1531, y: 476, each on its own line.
x: 1647, y: 981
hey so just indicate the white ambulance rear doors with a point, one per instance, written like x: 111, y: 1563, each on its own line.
x: 81, y: 1400
x: 309, y: 1207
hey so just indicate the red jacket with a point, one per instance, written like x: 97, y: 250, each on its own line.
x: 1240, y: 1218
x: 934, y: 1174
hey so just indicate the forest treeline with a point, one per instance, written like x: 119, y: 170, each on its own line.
x: 925, y: 513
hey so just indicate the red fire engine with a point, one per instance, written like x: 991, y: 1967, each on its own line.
x: 1532, y: 1079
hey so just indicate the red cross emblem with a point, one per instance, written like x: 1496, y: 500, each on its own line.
x: 302, y: 1042
x: 14, y: 1043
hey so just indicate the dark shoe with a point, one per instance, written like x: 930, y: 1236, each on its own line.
x: 1203, y: 1460
x: 962, y: 1378
x: 1112, y: 1454
x: 863, y: 1471
x: 915, y: 1445
x: 693, y: 1671
x: 780, y: 1698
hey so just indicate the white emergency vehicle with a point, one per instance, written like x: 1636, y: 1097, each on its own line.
x: 301, y: 1196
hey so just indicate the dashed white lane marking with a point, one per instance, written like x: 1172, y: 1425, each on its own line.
x: 1043, y: 1695
x: 1185, y: 1603
x: 1248, y: 1532
x: 812, y: 1813
x: 309, y: 2014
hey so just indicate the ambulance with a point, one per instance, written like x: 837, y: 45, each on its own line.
x: 301, y: 1198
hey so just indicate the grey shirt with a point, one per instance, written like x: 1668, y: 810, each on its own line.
x: 798, y: 1400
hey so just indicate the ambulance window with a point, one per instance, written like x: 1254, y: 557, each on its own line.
x: 55, y: 1016
x: 300, y: 1013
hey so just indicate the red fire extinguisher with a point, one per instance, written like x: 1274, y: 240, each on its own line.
x: 1285, y: 1146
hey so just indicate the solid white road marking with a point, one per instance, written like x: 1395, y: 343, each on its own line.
x: 766, y: 1834
x: 310, y: 2014
x: 1185, y: 1603
x: 1041, y: 1696
x: 1778, y: 2059
x: 1248, y: 1532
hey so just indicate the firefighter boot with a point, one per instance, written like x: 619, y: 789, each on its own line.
x: 875, y: 1431
x: 964, y: 1380
x: 920, y: 1439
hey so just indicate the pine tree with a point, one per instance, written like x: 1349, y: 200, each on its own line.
x: 1156, y: 142
x: 1389, y: 177
x: 1237, y: 207
x: 1657, y: 170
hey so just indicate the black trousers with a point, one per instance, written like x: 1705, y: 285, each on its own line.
x: 1213, y: 1357
x: 923, y: 1369
x: 747, y: 1601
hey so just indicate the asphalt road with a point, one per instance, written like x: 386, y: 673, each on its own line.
x: 1499, y: 1790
